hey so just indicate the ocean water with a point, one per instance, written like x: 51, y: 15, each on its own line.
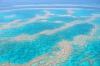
x: 54, y: 34
x: 19, y: 14
x: 32, y: 28
x: 56, y: 12
x: 61, y: 19
x: 97, y: 21
x: 85, y: 55
x: 83, y: 12
x: 24, y: 51
x: 78, y: 29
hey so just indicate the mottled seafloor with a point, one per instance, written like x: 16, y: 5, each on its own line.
x: 50, y: 37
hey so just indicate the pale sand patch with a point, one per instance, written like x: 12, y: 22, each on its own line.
x: 10, y: 16
x: 22, y: 37
x: 70, y: 12
x: 44, y: 20
x: 5, y: 64
x: 8, y: 25
x: 58, y: 21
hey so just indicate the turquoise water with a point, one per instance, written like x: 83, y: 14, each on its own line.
x: 90, y: 51
x: 31, y: 28
x: 41, y: 45
x: 56, y: 12
x: 23, y: 51
x: 19, y: 14
x: 65, y: 19
x: 83, y: 12
x: 79, y: 29
x: 97, y: 21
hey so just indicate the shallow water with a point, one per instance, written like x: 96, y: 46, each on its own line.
x: 47, y: 32
x: 84, y: 56
x: 32, y: 28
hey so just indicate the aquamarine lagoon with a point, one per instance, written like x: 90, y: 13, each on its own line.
x: 50, y: 37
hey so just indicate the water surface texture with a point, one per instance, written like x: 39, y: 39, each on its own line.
x: 50, y: 37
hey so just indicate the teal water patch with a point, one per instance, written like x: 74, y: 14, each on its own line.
x: 78, y: 29
x: 65, y: 19
x: 19, y: 14
x: 42, y: 61
x: 31, y: 28
x: 82, y: 12
x: 90, y: 51
x: 51, y: 56
x: 56, y: 12
x: 24, y: 51
x: 81, y: 18
x: 85, y: 63
x: 97, y: 33
x: 35, y: 64
x: 94, y: 49
x: 96, y: 21
x: 96, y: 63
